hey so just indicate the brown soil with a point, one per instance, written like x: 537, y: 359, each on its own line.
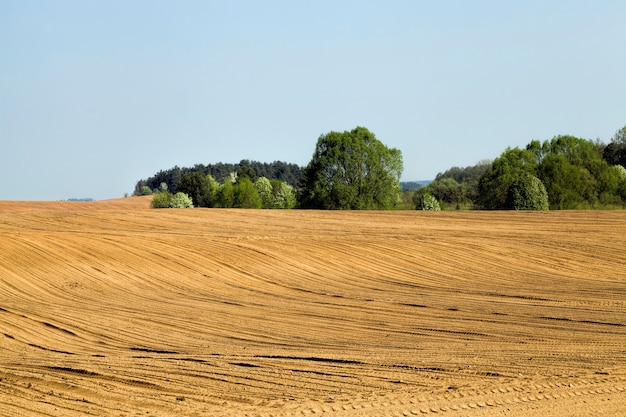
x: 113, y: 309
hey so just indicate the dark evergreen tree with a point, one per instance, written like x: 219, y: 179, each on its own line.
x: 197, y: 186
x: 615, y: 152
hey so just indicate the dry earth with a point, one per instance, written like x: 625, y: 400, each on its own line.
x: 113, y: 309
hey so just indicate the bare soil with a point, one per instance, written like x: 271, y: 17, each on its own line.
x: 113, y: 309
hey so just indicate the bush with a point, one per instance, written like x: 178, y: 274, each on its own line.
x: 166, y: 200
x: 428, y: 202
x: 161, y: 200
x: 284, y: 195
x: 527, y: 193
x: 181, y: 200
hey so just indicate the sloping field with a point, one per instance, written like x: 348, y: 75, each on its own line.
x: 113, y: 309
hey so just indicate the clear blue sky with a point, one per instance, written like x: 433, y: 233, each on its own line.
x: 95, y: 95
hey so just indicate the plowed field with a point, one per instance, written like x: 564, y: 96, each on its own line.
x: 113, y: 309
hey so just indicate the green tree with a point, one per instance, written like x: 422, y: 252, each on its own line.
x: 284, y: 195
x: 266, y: 192
x: 609, y: 182
x: 225, y: 194
x: 568, y: 186
x: 197, y: 186
x: 447, y: 190
x: 246, y: 172
x: 527, y: 193
x: 612, y: 185
x: 576, y: 175
x: 213, y: 186
x: 493, y: 186
x: 246, y: 195
x: 578, y: 152
x: 181, y: 200
x: 615, y: 152
x: 351, y: 170
x: 621, y: 172
x: 470, y: 173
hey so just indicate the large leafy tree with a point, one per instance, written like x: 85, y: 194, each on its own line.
x: 573, y: 172
x: 351, y: 170
x: 246, y: 195
x: 493, y: 186
x: 225, y: 195
x: 446, y: 190
x: 569, y: 186
x: 578, y: 152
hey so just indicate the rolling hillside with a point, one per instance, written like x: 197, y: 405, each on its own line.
x: 110, y: 308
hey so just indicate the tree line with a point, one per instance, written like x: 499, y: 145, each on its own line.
x: 242, y: 189
x: 564, y: 172
x: 354, y: 170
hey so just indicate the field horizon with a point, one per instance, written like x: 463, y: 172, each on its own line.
x: 110, y: 308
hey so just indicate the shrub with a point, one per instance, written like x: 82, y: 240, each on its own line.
x: 284, y: 195
x: 181, y: 200
x: 161, y: 200
x: 428, y: 202
x: 527, y: 193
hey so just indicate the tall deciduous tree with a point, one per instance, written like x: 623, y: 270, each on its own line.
x: 265, y: 190
x: 246, y: 195
x: 284, y: 195
x: 569, y: 186
x: 493, y: 186
x: 351, y: 170
x: 225, y: 195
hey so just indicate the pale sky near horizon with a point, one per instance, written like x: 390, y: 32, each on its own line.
x: 95, y: 95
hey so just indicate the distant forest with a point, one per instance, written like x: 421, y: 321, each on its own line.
x: 277, y: 170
